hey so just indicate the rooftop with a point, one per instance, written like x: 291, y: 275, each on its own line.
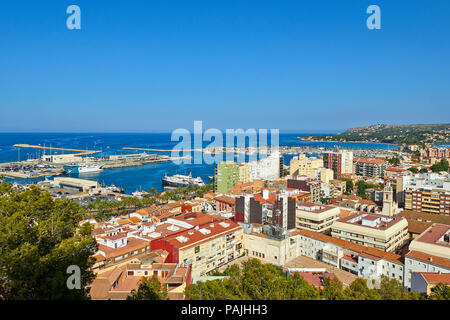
x: 438, y: 234
x: 205, y: 231
x: 371, y: 220
x: 353, y: 246
x: 436, y: 278
x: 443, y: 262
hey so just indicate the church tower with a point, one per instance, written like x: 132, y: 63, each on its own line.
x: 390, y: 207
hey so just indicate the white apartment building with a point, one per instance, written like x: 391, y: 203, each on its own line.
x: 368, y: 263
x: 265, y: 169
x: 315, y: 217
x: 429, y: 252
x: 372, y: 230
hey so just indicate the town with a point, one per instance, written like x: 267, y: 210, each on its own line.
x: 333, y: 216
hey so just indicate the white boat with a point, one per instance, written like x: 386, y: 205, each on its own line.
x: 89, y: 168
x: 82, y: 168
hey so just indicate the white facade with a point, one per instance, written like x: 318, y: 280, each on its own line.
x: 368, y: 268
x: 372, y: 268
x: 416, y: 265
x: 265, y: 169
x: 426, y: 181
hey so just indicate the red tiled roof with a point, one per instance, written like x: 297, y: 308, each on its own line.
x: 435, y: 278
x: 197, y: 236
x: 443, y: 262
x: 353, y: 246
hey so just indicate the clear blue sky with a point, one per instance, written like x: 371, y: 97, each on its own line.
x: 305, y: 66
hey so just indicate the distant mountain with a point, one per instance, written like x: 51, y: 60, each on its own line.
x: 420, y: 134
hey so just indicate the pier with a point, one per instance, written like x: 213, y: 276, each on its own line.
x: 78, y: 151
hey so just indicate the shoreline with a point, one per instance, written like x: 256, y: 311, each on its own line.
x: 334, y: 141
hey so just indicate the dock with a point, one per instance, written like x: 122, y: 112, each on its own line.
x: 78, y: 151
x: 160, y: 150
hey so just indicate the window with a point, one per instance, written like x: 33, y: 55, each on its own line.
x: 197, y: 249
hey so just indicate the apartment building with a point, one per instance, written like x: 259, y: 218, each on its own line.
x: 116, y: 248
x: 341, y: 162
x: 337, y: 187
x: 366, y: 262
x: 302, y: 165
x: 268, y: 168
x: 430, y: 252
x: 118, y: 282
x: 244, y: 172
x: 428, y: 192
x: 267, y: 208
x: 224, y: 203
x: 372, y: 230
x: 206, y: 247
x: 274, y: 250
x: 367, y: 167
x: 226, y: 175
x: 315, y: 217
x: 303, y: 183
x: 436, y: 153
x: 434, y: 201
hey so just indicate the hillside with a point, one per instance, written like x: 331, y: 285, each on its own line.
x: 419, y: 134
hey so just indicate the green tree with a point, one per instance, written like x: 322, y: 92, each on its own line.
x: 423, y: 170
x: 359, y: 290
x: 253, y: 281
x: 413, y: 169
x: 348, y: 185
x: 394, y: 161
x: 440, y: 166
x: 361, y: 188
x: 440, y: 292
x: 391, y: 289
x: 38, y: 242
x: 333, y: 289
x: 149, y: 289
x: 298, y: 289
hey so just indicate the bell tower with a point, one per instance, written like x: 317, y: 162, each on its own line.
x: 390, y: 207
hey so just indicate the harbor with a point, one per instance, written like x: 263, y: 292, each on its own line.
x: 131, y: 160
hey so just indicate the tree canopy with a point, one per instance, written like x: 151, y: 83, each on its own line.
x: 150, y: 289
x: 38, y: 242
x: 440, y: 166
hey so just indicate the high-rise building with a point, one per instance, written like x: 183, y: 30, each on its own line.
x: 244, y: 172
x: 226, y: 176
x: 370, y: 167
x: 304, y: 183
x: 267, y: 168
x: 341, y: 162
x: 428, y: 192
x: 267, y: 208
x: 303, y: 165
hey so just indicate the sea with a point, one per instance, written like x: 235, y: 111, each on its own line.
x: 139, y: 177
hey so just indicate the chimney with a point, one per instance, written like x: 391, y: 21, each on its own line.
x: 265, y: 194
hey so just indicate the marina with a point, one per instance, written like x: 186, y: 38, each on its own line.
x: 136, y: 168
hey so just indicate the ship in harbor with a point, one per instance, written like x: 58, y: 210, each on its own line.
x: 179, y: 180
x: 82, y: 169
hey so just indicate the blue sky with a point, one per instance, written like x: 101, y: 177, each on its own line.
x: 304, y: 66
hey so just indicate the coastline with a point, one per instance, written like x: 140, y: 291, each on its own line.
x: 335, y: 141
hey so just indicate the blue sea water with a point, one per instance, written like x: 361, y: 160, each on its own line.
x: 141, y: 177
